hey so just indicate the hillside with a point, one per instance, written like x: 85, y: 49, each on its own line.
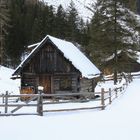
x: 79, y: 4
x: 7, y: 84
x: 86, y: 14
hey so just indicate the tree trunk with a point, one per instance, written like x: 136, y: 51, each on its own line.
x: 115, y: 43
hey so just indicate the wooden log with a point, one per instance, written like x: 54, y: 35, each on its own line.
x: 110, y: 101
x: 51, y: 95
x: 24, y: 95
x: 116, y: 92
x: 70, y: 94
x: 40, y: 105
x: 18, y: 114
x: 102, y: 99
x: 17, y: 106
x: 6, y: 102
x: 72, y: 109
x: 123, y: 87
x: 3, y: 98
x: 120, y: 89
x: 20, y: 106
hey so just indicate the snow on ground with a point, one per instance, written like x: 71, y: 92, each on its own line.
x: 119, y: 121
x: 7, y: 84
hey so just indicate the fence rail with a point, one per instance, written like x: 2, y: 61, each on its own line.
x: 42, y: 101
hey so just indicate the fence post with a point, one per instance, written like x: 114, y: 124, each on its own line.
x: 116, y: 92
x: 123, y: 87
x: 131, y: 77
x: 126, y: 83
x: 3, y: 96
x: 110, y: 101
x: 120, y: 89
x: 102, y: 99
x: 6, y: 102
x: 40, y: 104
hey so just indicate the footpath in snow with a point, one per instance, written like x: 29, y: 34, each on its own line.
x: 120, y: 121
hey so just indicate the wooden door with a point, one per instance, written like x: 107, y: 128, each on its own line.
x: 45, y: 81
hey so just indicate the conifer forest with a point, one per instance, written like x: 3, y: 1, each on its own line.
x: 114, y: 26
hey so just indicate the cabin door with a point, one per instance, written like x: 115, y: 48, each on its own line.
x: 45, y: 81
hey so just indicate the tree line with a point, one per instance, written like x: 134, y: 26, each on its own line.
x: 113, y: 27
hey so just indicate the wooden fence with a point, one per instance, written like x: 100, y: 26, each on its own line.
x: 127, y: 76
x: 11, y: 104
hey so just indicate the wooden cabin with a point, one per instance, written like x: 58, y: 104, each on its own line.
x: 126, y: 63
x: 58, y: 66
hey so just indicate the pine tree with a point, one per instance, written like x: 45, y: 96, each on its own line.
x: 44, y: 22
x: 112, y: 29
x: 29, y: 24
x: 38, y: 26
x: 16, y: 38
x: 50, y: 21
x: 73, y: 21
x: 4, y: 22
x: 29, y: 19
x: 83, y: 33
x: 60, y: 23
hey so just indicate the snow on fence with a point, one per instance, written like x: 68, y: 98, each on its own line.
x: 127, y: 76
x: 135, y: 75
x: 44, y: 103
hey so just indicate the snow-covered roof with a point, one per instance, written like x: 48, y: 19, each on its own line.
x: 33, y: 45
x: 72, y: 53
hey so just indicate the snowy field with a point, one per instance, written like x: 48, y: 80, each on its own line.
x: 120, y: 121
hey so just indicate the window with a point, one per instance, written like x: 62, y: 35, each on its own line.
x: 65, y: 83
